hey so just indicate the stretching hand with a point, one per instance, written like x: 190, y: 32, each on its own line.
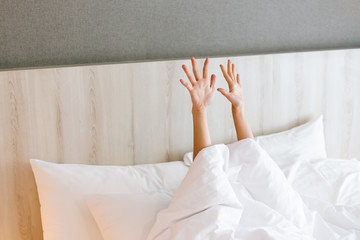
x: 235, y: 93
x: 199, y: 88
x: 201, y: 94
x: 236, y: 97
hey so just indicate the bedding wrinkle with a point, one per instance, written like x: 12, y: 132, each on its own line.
x: 250, y: 198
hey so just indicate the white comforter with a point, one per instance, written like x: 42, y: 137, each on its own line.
x: 238, y: 192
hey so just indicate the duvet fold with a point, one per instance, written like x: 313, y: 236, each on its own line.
x: 205, y: 196
x: 238, y: 192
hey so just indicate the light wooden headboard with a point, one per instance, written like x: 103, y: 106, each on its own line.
x: 139, y: 113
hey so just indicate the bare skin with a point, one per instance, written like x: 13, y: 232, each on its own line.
x: 202, y: 91
x: 236, y: 97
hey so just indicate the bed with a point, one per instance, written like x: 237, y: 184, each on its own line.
x: 278, y: 186
x: 137, y: 113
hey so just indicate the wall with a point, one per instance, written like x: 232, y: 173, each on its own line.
x: 36, y: 33
x: 139, y: 113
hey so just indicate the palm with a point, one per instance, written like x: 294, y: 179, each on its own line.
x: 201, y: 95
x: 200, y: 90
x: 236, y: 95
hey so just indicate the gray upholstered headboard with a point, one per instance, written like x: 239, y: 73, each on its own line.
x: 38, y: 33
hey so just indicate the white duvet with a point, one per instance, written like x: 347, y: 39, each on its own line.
x: 238, y: 192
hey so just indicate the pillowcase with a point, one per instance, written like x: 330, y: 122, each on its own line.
x: 61, y: 189
x: 306, y: 141
x: 127, y: 216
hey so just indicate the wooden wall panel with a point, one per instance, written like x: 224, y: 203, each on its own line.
x: 139, y: 113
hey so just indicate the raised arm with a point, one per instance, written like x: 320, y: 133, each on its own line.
x: 201, y: 92
x: 235, y: 96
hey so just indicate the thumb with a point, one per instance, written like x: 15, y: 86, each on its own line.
x: 225, y: 93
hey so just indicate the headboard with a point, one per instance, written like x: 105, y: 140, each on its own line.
x: 139, y: 113
x: 53, y: 33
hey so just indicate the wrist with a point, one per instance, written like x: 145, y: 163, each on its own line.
x: 199, y: 111
x: 238, y: 109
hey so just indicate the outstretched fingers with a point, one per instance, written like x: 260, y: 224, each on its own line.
x: 186, y: 84
x: 205, y: 69
x: 229, y: 69
x: 212, y: 82
x: 238, y: 79
x: 188, y: 74
x: 226, y: 75
x: 195, y: 69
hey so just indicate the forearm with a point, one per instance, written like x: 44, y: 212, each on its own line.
x: 242, y: 125
x: 201, y: 131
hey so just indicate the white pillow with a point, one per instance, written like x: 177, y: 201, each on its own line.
x: 127, y: 216
x: 61, y: 189
x: 306, y: 141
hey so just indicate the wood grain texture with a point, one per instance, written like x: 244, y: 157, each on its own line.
x: 139, y: 113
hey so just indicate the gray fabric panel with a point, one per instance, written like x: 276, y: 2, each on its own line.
x: 37, y: 33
